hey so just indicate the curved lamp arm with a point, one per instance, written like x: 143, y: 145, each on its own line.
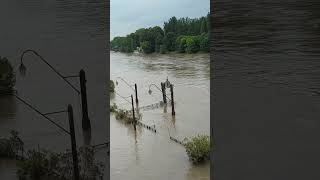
x: 22, y: 67
x: 155, y: 86
x: 125, y: 82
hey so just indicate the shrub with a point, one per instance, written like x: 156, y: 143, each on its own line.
x: 204, y: 43
x: 192, y: 44
x: 42, y: 164
x: 111, y: 86
x: 146, y: 47
x: 11, y: 147
x: 113, y: 108
x: 198, y: 148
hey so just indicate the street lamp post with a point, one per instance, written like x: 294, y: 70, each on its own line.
x: 162, y: 90
x: 133, y: 115
x: 172, y: 101
x: 135, y: 89
x: 71, y: 132
x: 85, y: 117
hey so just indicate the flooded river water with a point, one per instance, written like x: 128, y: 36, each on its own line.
x: 143, y: 154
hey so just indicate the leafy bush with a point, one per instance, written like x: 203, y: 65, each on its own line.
x: 124, y: 115
x: 113, y: 108
x: 198, y: 148
x: 42, y: 164
x: 11, y: 147
x: 111, y: 86
x: 146, y: 47
x: 204, y: 42
x: 192, y: 44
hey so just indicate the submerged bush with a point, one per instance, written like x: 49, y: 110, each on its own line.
x: 198, y: 148
x: 7, y: 76
x: 124, y: 115
x: 42, y: 164
x: 11, y: 147
x: 113, y: 108
x: 111, y: 86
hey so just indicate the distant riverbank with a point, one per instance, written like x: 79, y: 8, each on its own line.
x: 183, y: 35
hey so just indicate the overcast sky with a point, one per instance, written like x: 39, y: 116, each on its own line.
x: 130, y: 15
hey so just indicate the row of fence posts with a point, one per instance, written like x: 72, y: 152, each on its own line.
x: 164, y: 97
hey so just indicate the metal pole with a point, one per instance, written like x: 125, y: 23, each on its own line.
x: 133, y: 115
x: 136, y: 89
x: 85, y: 117
x: 163, y: 89
x: 76, y: 175
x: 172, y: 100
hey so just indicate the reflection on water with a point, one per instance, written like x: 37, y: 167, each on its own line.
x: 143, y: 154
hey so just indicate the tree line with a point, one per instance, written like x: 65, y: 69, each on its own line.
x: 183, y: 35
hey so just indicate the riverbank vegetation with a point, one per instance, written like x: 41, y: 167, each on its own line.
x: 111, y: 86
x: 42, y: 164
x: 7, y: 76
x: 183, y: 35
x: 123, y: 115
x: 12, y: 146
x: 198, y: 148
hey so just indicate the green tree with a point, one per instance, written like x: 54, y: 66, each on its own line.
x: 181, y: 44
x: 169, y: 41
x: 192, y: 45
x: 203, y: 28
x: 146, y: 47
x: 204, y: 42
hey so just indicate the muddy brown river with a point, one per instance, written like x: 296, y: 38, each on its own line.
x: 143, y: 154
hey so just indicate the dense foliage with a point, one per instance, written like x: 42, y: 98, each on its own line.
x: 11, y: 147
x: 7, y: 76
x: 124, y: 115
x: 183, y: 35
x: 111, y: 86
x: 45, y: 165
x: 198, y: 148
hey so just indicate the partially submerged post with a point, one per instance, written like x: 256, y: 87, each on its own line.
x: 163, y: 89
x: 172, y: 100
x: 133, y: 115
x: 136, y: 90
x: 85, y: 117
x: 76, y: 175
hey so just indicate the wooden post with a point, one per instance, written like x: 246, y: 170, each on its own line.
x: 76, y: 175
x: 136, y: 89
x: 85, y: 117
x: 172, y: 100
x: 133, y: 115
x: 163, y: 88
